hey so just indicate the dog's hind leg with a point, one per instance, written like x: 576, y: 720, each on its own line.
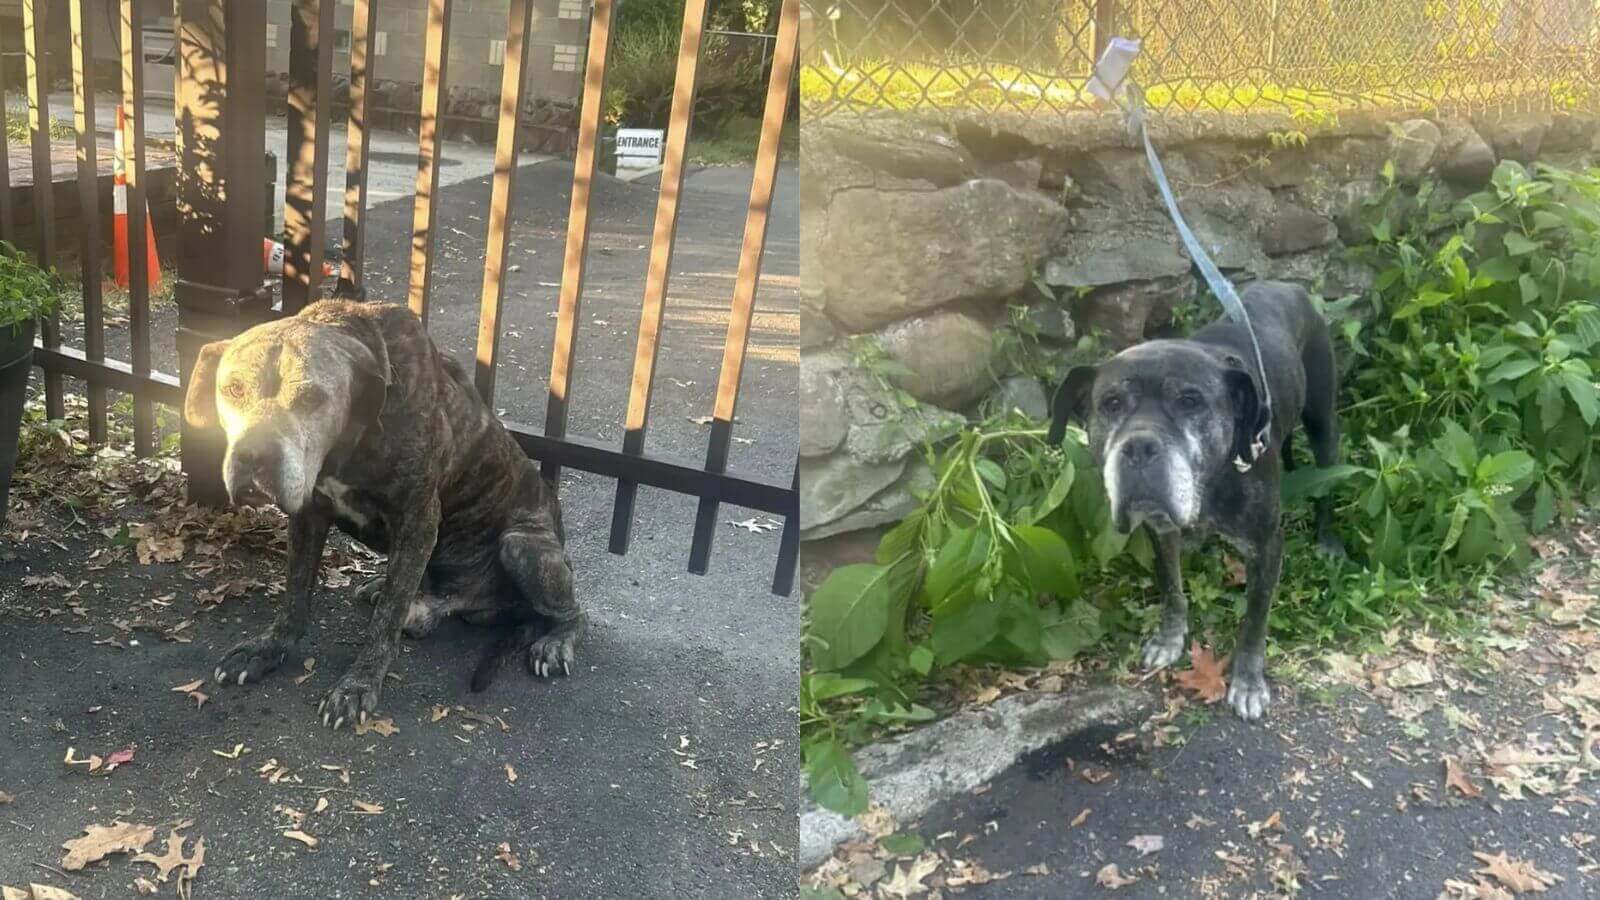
x: 1321, y: 419
x: 532, y: 556
x: 1165, y: 647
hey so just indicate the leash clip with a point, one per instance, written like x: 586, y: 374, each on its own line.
x: 1258, y: 446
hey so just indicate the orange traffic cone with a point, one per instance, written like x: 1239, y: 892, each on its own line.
x: 119, y: 222
x: 272, y: 259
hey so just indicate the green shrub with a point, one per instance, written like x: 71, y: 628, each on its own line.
x: 1469, y: 410
x: 26, y: 291
x: 643, y: 69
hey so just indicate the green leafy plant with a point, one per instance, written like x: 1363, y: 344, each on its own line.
x: 26, y: 291
x: 1469, y: 410
x: 986, y: 571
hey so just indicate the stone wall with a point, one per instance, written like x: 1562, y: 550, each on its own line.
x: 918, y: 236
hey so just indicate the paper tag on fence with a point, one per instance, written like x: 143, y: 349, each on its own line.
x: 1111, y: 72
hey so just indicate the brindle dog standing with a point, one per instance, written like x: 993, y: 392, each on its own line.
x: 347, y: 414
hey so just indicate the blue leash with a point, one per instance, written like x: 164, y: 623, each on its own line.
x: 1220, y: 286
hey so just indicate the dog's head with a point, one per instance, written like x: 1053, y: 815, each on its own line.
x: 286, y: 393
x: 1164, y: 418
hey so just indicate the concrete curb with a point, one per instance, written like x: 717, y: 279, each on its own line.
x: 632, y: 175
x: 951, y: 757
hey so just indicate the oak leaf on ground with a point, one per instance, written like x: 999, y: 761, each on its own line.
x: 1207, y: 679
x: 100, y: 841
x: 174, y: 858
x: 1517, y: 875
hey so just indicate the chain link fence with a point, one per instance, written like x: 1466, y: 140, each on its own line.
x: 1198, y: 56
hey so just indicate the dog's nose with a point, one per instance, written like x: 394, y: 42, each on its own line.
x: 1140, y: 451
x: 249, y: 458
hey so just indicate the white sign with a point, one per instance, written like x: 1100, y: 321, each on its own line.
x: 639, y: 147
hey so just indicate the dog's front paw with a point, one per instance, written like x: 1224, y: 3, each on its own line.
x: 1248, y: 693
x: 552, y: 653
x: 351, y: 700
x: 251, y: 660
x: 1163, y: 649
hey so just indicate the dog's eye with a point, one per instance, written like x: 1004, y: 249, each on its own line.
x: 1111, y: 404
x: 1189, y: 401
x: 308, y: 398
x: 234, y: 390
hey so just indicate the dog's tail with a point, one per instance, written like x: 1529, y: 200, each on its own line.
x: 514, y: 640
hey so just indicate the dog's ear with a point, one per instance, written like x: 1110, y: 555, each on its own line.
x: 369, y: 388
x: 369, y: 383
x: 200, y: 402
x: 1069, y: 400
x: 1246, y: 401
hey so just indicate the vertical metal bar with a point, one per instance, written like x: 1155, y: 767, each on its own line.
x: 94, y: 328
x: 789, y: 543
x: 1105, y: 26
x: 744, y: 288
x: 222, y: 120
x: 138, y: 238
x: 7, y: 218
x: 306, y: 175
x: 572, y: 264
x: 34, y: 29
x: 358, y: 141
x: 679, y: 120
x: 429, y: 142
x: 520, y: 19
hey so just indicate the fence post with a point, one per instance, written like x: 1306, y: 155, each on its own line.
x: 1105, y: 26
x: 221, y: 110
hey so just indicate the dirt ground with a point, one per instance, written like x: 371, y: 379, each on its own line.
x: 665, y: 766
x: 1432, y: 765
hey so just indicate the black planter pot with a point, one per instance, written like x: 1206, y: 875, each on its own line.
x: 16, y: 359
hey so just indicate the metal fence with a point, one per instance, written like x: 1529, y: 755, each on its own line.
x: 220, y: 110
x: 1458, y: 56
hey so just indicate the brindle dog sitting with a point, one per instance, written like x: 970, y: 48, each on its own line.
x: 347, y: 414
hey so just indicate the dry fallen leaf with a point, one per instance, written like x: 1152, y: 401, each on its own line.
x: 311, y: 668
x: 907, y: 880
x: 100, y: 841
x: 191, y: 686
x: 1147, y: 844
x: 5, y: 798
x: 1414, y: 673
x: 295, y: 834
x: 1456, y: 777
x: 174, y: 857
x: 510, y: 859
x: 231, y: 754
x: 1515, y: 874
x: 144, y: 885
x: 384, y: 727
x: 93, y: 762
x: 511, y: 774
x: 1080, y: 818
x: 125, y: 755
x: 1206, y: 678
x: 36, y: 892
x: 366, y: 809
x: 1110, y: 877
x: 439, y: 712
x: 322, y: 804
